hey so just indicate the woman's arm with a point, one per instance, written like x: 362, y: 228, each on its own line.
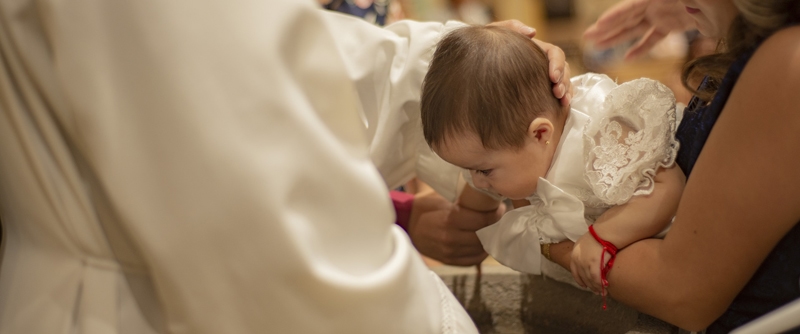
x: 741, y: 200
x: 641, y: 217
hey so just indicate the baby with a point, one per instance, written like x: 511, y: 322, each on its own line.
x: 602, y: 169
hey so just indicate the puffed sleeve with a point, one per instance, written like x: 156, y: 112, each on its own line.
x: 630, y: 135
x: 225, y: 139
x: 388, y: 66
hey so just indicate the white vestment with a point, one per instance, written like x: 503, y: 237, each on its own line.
x: 615, y: 139
x: 192, y: 166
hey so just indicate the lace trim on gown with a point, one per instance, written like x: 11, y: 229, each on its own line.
x: 631, y: 137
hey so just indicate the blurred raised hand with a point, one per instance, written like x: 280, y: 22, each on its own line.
x: 649, y: 21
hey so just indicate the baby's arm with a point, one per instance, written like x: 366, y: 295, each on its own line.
x: 643, y: 216
x: 475, y: 200
x: 640, y: 218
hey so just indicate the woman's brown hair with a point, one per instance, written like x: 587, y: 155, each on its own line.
x: 487, y: 80
x: 757, y: 20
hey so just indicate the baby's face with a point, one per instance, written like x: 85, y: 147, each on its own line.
x: 510, y: 172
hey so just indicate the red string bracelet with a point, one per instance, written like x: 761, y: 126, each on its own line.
x: 604, y: 269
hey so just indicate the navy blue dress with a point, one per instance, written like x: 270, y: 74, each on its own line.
x: 376, y: 12
x: 777, y: 280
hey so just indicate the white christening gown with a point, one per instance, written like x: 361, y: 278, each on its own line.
x: 615, y: 139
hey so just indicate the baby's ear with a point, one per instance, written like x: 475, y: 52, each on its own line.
x: 541, y: 130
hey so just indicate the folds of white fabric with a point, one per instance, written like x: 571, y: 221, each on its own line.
x: 514, y: 240
x: 224, y: 141
x: 387, y: 67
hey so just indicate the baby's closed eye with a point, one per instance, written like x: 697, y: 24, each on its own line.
x: 484, y: 172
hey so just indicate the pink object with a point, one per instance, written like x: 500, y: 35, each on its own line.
x: 403, y: 202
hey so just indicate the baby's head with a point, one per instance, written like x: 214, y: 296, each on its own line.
x: 487, y: 106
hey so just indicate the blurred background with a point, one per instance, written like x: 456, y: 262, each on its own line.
x: 560, y: 22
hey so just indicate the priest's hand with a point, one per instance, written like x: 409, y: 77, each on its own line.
x: 445, y: 231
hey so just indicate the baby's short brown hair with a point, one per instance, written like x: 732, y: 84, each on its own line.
x: 487, y: 80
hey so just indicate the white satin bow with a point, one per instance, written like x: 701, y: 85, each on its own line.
x: 553, y: 214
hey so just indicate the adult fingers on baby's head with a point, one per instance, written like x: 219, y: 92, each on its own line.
x: 567, y: 99
x: 557, y: 61
x: 515, y: 25
x: 560, y: 90
x: 564, y: 90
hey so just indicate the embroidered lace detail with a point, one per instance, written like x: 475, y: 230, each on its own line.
x: 632, y: 137
x: 589, y: 199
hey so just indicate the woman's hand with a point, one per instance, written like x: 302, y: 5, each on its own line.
x: 648, y: 20
x: 585, y: 264
x: 558, y: 68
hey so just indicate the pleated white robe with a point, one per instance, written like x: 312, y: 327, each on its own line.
x: 190, y: 166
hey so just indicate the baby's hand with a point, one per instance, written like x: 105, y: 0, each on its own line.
x: 585, y: 264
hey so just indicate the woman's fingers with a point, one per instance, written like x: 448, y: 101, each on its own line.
x: 621, y: 17
x: 557, y: 59
x: 566, y: 85
x: 645, y: 44
x: 629, y: 34
x: 559, y: 71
